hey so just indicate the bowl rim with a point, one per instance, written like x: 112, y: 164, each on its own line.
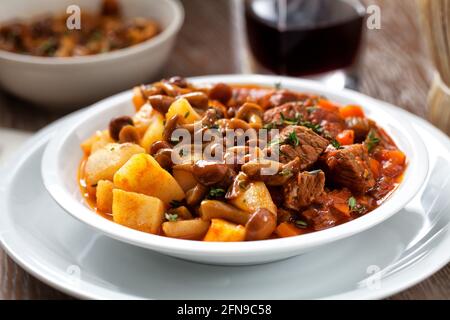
x: 415, y: 174
x: 172, y: 29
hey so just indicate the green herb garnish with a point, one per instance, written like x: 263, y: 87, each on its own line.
x: 292, y: 139
x: 171, y: 216
x: 187, y: 114
x: 181, y: 152
x: 317, y: 128
x: 372, y: 140
x: 300, y: 224
x: 216, y: 193
x: 311, y: 109
x: 175, y: 203
x: 354, y: 206
x: 336, y: 144
x: 352, y: 203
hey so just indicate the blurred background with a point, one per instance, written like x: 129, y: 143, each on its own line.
x: 393, y: 66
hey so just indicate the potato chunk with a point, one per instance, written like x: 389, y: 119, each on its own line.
x: 104, y: 196
x: 254, y: 197
x: 184, y: 109
x: 154, y: 131
x: 143, y: 174
x: 102, y: 164
x: 144, y: 117
x: 95, y: 142
x: 223, y: 231
x: 137, y: 211
x: 186, y: 229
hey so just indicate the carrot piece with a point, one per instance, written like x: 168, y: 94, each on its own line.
x: 343, y: 208
x: 395, y: 156
x: 374, y: 167
x: 351, y: 111
x: 346, y: 137
x: 328, y: 105
x: 138, y: 99
x: 286, y: 229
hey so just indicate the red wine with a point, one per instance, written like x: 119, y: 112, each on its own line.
x: 303, y: 37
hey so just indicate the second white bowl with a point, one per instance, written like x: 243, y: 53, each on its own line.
x: 68, y: 83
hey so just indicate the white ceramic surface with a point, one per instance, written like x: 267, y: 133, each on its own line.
x: 66, y: 83
x: 71, y: 257
x: 62, y: 156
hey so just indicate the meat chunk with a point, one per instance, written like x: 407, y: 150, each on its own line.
x: 298, y: 141
x: 328, y: 210
x: 331, y: 121
x: 349, y: 167
x: 290, y: 110
x: 304, y: 189
x: 279, y: 97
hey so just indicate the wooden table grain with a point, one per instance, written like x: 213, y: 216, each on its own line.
x: 395, y: 68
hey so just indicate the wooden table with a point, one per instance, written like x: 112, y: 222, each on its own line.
x: 395, y: 68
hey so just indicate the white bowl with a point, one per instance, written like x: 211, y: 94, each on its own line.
x: 62, y: 156
x: 68, y: 83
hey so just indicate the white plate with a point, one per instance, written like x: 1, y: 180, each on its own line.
x: 67, y: 255
x: 61, y: 159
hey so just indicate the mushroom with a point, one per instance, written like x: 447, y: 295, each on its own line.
x: 214, y: 209
x: 182, y: 212
x: 179, y: 81
x: 221, y: 92
x: 254, y: 169
x: 170, y: 126
x: 164, y: 158
x: 196, y: 195
x: 252, y: 113
x: 129, y: 133
x: 261, y: 225
x: 116, y: 125
x: 239, y: 185
x: 161, y: 102
x: 210, y: 173
x: 159, y: 145
x: 197, y: 99
x: 283, y: 173
x: 235, y: 123
x: 169, y: 89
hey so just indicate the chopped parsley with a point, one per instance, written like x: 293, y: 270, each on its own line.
x: 352, y: 203
x: 336, y: 144
x: 215, y: 193
x: 187, y: 114
x: 176, y: 203
x: 292, y: 139
x: 300, y: 224
x: 311, y: 109
x: 354, y: 206
x: 372, y: 141
x: 181, y: 153
x: 171, y: 216
x: 317, y: 128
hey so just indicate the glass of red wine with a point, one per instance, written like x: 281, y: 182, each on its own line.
x: 304, y: 38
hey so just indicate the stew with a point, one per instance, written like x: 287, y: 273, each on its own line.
x: 49, y: 36
x: 276, y: 163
